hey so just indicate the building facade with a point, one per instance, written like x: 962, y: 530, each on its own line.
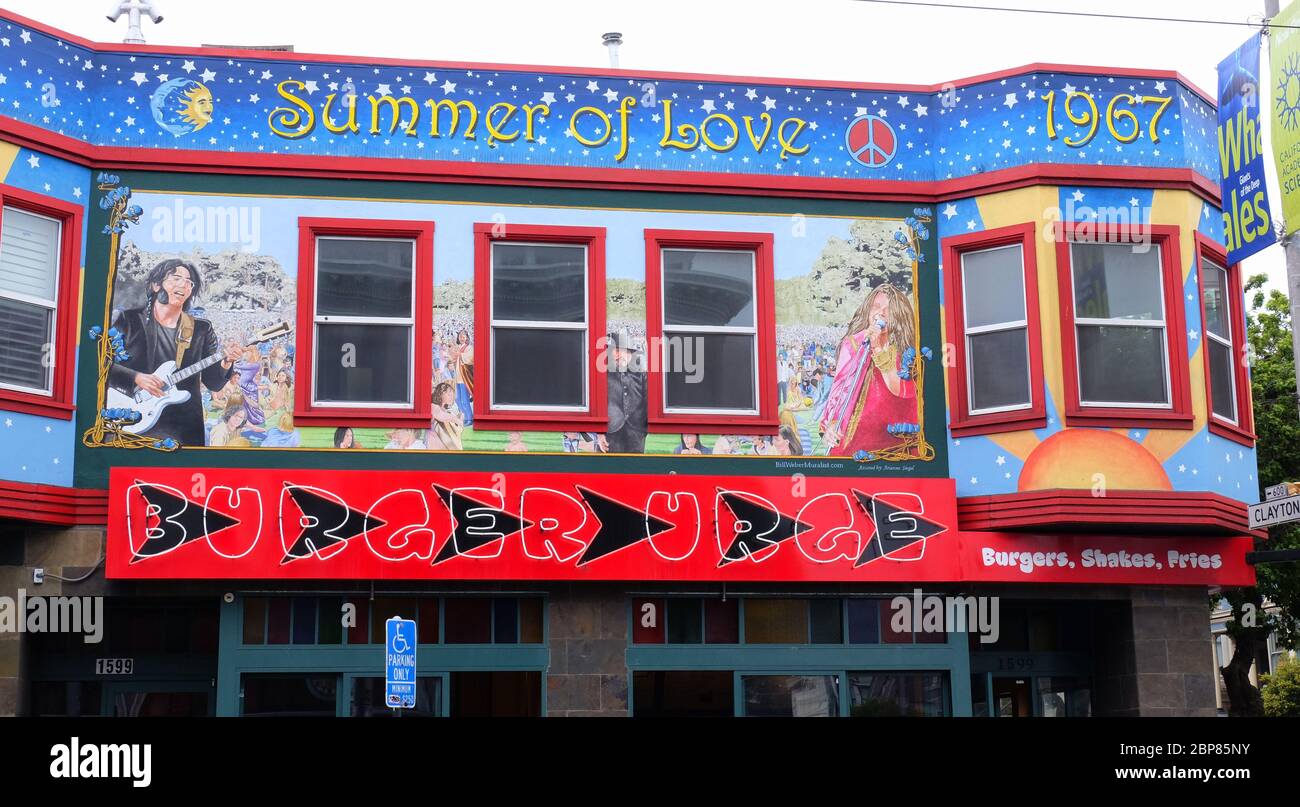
x: 644, y: 394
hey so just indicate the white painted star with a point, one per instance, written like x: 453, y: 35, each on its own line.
x: 188, y: 66
x: 1001, y: 460
x: 34, y: 161
x: 592, y: 86
x: 1011, y: 100
x: 1192, y: 335
x: 1068, y: 88
x: 768, y: 103
x: 26, y: 37
x: 130, y: 121
x: 266, y: 74
x: 76, y: 192
x: 448, y: 87
x: 974, y: 481
x: 1077, y: 196
x: 429, y: 78
x: 254, y: 98
x: 708, y: 106
x: 949, y: 211
x: 312, y: 87
x: 9, y: 423
x: 751, y: 94
x: 611, y: 95
x: 902, y: 101
x: 1133, y: 201
x: 384, y: 89
x: 970, y: 225
x: 548, y: 98
x: 1160, y: 86
x: 963, y: 123
x: 208, y: 75
x: 920, y: 110
x: 139, y: 78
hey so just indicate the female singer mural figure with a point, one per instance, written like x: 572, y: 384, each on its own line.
x: 867, y: 393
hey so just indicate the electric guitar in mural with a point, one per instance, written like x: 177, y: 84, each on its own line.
x: 151, y: 407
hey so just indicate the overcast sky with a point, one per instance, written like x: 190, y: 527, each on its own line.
x: 814, y: 39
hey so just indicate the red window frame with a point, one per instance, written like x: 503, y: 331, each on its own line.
x: 761, y: 244
x: 417, y: 416
x: 1165, y: 238
x: 962, y: 422
x: 1243, y: 431
x: 60, y: 403
x: 596, y: 416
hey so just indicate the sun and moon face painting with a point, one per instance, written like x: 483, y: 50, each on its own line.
x: 181, y: 106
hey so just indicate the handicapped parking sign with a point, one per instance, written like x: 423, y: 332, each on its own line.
x: 399, y: 663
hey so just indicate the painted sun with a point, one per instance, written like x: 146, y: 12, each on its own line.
x: 196, y: 107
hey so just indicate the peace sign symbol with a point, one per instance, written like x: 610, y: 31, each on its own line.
x: 871, y: 141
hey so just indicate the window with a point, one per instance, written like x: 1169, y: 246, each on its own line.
x: 1227, y: 383
x: 1123, y: 336
x: 540, y: 316
x: 40, y: 255
x: 365, y: 322
x: 991, y: 299
x: 711, y: 331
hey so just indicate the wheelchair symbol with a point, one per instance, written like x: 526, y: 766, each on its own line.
x: 400, y: 645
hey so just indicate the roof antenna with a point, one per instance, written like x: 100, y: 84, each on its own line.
x: 133, y: 9
x: 612, y: 40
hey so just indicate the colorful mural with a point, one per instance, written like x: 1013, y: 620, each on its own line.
x: 1060, y: 457
x: 850, y: 360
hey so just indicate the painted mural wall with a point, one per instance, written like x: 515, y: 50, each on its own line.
x: 1061, y: 457
x: 850, y: 359
x: 36, y: 449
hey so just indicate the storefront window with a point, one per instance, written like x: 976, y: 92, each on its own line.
x: 296, y: 695
x: 890, y: 694
x: 791, y: 695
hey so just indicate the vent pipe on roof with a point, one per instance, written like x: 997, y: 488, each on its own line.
x: 611, y: 41
x: 133, y: 9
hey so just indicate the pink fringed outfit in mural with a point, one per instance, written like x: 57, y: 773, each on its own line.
x: 860, y: 405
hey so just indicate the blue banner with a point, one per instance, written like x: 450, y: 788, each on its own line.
x: 1247, y: 221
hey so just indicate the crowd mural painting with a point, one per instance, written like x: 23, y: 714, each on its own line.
x: 851, y: 365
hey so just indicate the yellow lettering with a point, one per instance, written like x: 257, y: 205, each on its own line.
x: 395, y: 105
x: 435, y: 107
x: 787, y: 143
x: 530, y: 113
x: 624, y: 107
x: 604, y: 119
x: 728, y: 144
x: 296, y: 122
x: 496, y: 132
x: 350, y: 126
x: 684, y: 131
x: 759, y: 142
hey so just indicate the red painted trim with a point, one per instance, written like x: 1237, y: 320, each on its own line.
x: 61, y: 402
x: 50, y: 504
x: 1166, y: 239
x: 767, y: 420
x: 1036, y: 67
x: 1119, y: 511
x: 962, y: 422
x: 1243, y: 430
x: 417, y: 416
x: 596, y: 416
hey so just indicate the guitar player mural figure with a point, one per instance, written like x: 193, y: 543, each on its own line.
x: 162, y: 331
